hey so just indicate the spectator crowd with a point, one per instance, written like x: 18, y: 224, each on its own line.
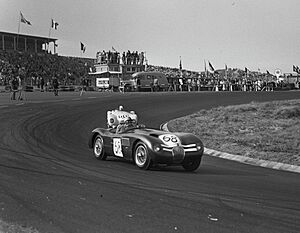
x: 128, y: 58
x: 221, y: 80
x: 40, y: 69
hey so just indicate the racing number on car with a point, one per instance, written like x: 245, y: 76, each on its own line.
x: 117, y: 147
x: 169, y: 139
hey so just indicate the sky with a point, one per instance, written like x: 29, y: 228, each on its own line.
x: 257, y: 34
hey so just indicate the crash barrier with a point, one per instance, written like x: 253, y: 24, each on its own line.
x: 28, y: 88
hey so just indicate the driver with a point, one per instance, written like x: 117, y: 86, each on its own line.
x: 128, y: 124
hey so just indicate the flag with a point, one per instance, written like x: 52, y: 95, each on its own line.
x: 226, y: 69
x: 180, y: 65
x: 113, y: 49
x: 268, y: 73
x: 211, y: 69
x: 54, y: 24
x: 82, y: 47
x: 23, y: 20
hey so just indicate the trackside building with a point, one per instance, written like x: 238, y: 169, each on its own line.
x: 111, y: 68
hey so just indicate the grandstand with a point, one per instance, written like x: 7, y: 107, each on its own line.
x: 26, y: 43
x: 32, y: 66
x: 28, y: 57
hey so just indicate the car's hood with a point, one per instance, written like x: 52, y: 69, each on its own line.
x: 150, y: 132
x: 169, y: 138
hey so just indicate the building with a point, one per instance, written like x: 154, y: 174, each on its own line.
x: 25, y: 43
x: 111, y: 68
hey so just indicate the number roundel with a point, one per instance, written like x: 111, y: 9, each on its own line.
x: 174, y: 139
x: 169, y: 139
x: 166, y: 138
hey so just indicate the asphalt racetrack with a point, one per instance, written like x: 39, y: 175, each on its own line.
x: 51, y: 181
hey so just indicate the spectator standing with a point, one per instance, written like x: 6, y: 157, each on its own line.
x: 48, y: 84
x: 198, y: 84
x: 128, y: 58
x: 42, y: 84
x: 180, y: 84
x: 141, y: 58
x: 123, y: 58
x: 21, y: 87
x: 14, y: 87
x: 155, y: 84
x: 55, y: 86
x: 38, y: 80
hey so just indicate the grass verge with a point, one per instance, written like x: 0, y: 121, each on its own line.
x: 14, y: 228
x: 269, y: 131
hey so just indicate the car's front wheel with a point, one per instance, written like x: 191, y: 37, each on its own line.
x: 141, y: 156
x: 191, y: 165
x: 99, y: 148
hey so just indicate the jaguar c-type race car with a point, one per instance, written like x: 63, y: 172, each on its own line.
x: 126, y: 139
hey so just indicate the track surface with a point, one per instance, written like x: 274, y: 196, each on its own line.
x: 50, y: 180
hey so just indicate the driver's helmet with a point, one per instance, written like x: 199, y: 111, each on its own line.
x: 129, y: 122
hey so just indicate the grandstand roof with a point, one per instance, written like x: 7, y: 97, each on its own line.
x: 28, y: 36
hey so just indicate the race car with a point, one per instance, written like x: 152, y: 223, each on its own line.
x: 147, y: 147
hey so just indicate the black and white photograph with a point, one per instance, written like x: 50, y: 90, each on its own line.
x: 149, y: 116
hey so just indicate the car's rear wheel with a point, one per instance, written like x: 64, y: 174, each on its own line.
x: 191, y: 165
x: 141, y: 156
x: 99, y: 148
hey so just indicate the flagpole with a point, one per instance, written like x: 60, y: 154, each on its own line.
x: 19, y: 31
x: 146, y: 62
x: 205, y: 71
x: 19, y: 23
x: 49, y: 35
x: 50, y: 29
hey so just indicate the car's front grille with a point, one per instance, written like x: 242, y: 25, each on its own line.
x: 178, y: 153
x: 187, y: 148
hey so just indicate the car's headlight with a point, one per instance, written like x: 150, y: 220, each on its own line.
x: 156, y: 148
x: 198, y: 146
